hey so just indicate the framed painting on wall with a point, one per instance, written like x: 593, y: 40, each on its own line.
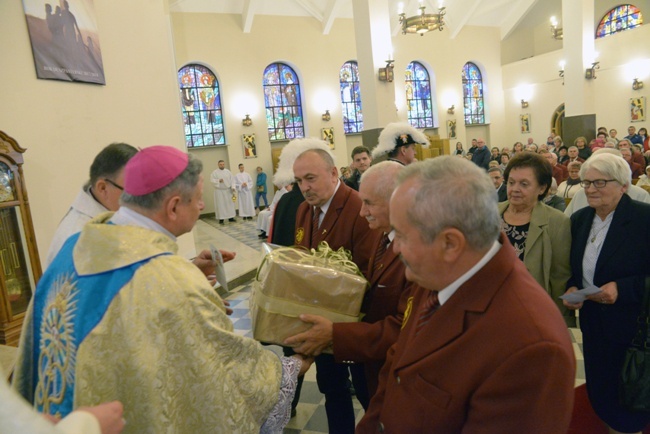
x: 248, y: 144
x: 327, y: 134
x: 525, y: 123
x: 637, y: 109
x: 451, y: 128
x: 65, y: 40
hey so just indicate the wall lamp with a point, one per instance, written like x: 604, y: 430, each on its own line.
x: 524, y: 103
x: 556, y: 30
x: 326, y: 116
x: 637, y: 84
x: 590, y: 73
x: 450, y: 110
x: 386, y: 74
x: 247, y: 121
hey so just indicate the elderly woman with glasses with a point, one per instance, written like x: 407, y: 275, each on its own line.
x: 610, y: 251
x: 541, y: 235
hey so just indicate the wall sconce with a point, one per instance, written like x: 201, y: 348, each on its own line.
x: 590, y: 73
x: 326, y: 116
x: 247, y: 121
x: 636, y: 84
x: 386, y: 74
x: 556, y: 32
x: 450, y: 110
x: 524, y: 104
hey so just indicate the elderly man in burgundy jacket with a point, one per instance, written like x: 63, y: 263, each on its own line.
x: 482, y: 348
x: 330, y: 213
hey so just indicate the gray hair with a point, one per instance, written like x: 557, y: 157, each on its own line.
x: 184, y: 185
x: 384, y: 177
x: 495, y: 169
x: 610, y: 165
x: 453, y: 193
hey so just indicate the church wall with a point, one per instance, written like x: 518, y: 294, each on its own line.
x: 64, y: 125
x: 612, y: 88
x: 239, y: 59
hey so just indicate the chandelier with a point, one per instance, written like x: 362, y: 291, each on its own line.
x: 423, y: 22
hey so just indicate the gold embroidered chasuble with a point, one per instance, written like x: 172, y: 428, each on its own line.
x: 164, y: 346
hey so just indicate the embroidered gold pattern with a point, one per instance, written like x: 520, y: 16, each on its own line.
x: 57, y: 359
x: 300, y: 234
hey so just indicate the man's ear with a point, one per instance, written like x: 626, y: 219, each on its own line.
x: 453, y: 243
x: 100, y: 189
x: 171, y: 207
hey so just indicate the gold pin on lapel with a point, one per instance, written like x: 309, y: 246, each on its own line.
x: 324, y: 231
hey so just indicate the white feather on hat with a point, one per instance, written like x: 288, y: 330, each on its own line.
x: 389, y: 135
x: 292, y: 150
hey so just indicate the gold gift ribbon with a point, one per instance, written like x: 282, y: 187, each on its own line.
x: 322, y: 256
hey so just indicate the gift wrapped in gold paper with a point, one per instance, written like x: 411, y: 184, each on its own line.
x: 294, y: 281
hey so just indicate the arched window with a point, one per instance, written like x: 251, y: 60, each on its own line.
x: 201, y: 105
x: 418, y: 96
x: 619, y: 19
x: 351, y: 97
x: 474, y: 108
x: 282, y: 100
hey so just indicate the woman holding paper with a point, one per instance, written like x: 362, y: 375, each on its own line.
x: 609, y: 250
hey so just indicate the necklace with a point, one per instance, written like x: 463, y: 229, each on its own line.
x: 595, y: 235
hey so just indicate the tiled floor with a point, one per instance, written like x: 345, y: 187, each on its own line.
x: 242, y: 237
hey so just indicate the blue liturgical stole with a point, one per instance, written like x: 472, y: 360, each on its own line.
x: 59, y: 328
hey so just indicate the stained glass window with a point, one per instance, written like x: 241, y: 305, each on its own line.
x: 282, y: 100
x: 474, y: 108
x: 351, y: 97
x: 619, y: 19
x: 201, y: 105
x: 418, y: 96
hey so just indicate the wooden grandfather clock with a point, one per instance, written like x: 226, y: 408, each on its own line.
x: 20, y: 266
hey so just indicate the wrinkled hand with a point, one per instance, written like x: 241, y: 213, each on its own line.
x: 313, y: 341
x: 608, y: 294
x: 109, y: 416
x: 205, y: 263
x: 572, y: 306
x: 306, y: 363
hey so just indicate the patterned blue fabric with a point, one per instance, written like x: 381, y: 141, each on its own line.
x: 58, y: 330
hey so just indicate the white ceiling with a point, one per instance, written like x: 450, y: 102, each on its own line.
x: 504, y: 14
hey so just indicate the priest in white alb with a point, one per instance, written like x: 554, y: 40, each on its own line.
x: 244, y: 185
x: 224, y: 190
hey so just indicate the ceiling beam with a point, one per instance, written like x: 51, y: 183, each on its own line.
x: 330, y: 15
x: 463, y: 10
x: 313, y: 11
x: 517, y: 13
x: 247, y: 15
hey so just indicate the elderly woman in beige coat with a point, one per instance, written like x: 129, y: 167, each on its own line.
x: 540, y: 234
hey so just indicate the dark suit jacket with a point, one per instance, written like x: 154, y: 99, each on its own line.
x: 465, y: 372
x: 502, y: 192
x: 481, y: 157
x: 284, y: 218
x: 385, y: 302
x: 608, y: 329
x: 342, y: 226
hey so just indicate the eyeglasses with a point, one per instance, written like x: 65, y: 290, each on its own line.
x: 114, y: 184
x: 598, y: 183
